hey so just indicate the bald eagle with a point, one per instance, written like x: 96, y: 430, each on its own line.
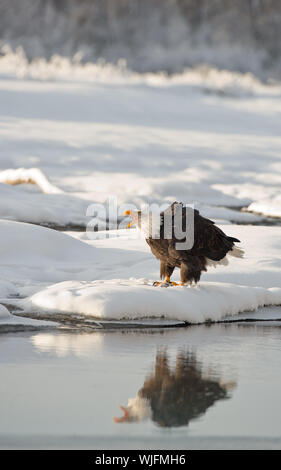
x: 173, y: 395
x: 183, y: 239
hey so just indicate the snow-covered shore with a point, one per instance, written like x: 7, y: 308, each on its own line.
x: 53, y: 273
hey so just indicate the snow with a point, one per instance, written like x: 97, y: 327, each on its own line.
x: 94, y: 140
x: 34, y: 253
x: 270, y: 207
x: 30, y: 175
x: 26, y: 205
x: 56, y: 273
x: 14, y: 63
x: 134, y: 299
x: 21, y: 203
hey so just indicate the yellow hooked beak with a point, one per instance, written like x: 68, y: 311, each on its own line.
x: 133, y: 221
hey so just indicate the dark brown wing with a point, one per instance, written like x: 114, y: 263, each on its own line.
x: 209, y: 240
x: 159, y: 247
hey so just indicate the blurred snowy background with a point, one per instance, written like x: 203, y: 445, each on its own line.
x: 151, y: 35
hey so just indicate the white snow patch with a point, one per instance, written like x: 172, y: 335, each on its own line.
x: 224, y: 213
x: 31, y: 176
x: 135, y: 298
x: 270, y: 207
x: 30, y: 245
x: 18, y: 203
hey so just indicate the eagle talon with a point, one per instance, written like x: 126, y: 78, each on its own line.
x: 157, y: 283
x: 164, y: 283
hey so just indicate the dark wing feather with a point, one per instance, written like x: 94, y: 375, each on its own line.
x: 209, y: 240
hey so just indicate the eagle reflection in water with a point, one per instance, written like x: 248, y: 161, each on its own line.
x: 173, y: 396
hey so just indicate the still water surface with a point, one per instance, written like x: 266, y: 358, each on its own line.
x: 216, y: 386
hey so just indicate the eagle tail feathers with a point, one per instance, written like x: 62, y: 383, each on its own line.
x: 236, y: 252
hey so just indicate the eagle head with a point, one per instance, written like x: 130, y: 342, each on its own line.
x: 136, y: 218
x: 148, y: 222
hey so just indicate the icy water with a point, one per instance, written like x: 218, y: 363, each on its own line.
x: 215, y: 386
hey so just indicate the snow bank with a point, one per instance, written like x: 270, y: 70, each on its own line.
x: 20, y: 204
x: 223, y: 213
x: 270, y: 207
x: 13, y: 63
x: 135, y: 299
x: 63, y: 210
x: 33, y: 246
x: 55, y: 207
x: 60, y: 274
x: 31, y: 176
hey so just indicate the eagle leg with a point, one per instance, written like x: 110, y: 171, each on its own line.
x: 189, y: 274
x: 165, y: 272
